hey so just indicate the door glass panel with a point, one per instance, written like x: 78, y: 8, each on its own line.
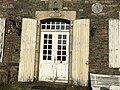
x: 62, y: 22
x: 59, y: 58
x: 59, y: 36
x: 57, y: 22
x: 59, y: 47
x: 67, y: 27
x: 44, y: 57
x: 45, y: 46
x: 44, y: 51
x: 49, y: 57
x: 64, y: 41
x: 64, y: 37
x: 49, y: 46
x: 50, y: 36
x: 63, y: 58
x: 45, y: 36
x: 43, y: 26
x: 63, y: 52
x: 49, y: 52
x: 53, y: 22
x: 45, y: 41
x: 52, y: 27
x: 59, y: 41
x: 57, y: 27
x: 50, y: 42
x: 62, y: 27
x: 48, y: 26
x: 64, y: 48
x: 58, y: 52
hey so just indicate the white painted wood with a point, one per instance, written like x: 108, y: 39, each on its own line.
x: 48, y: 0
x: 80, y: 52
x: 104, y: 81
x: 27, y: 53
x: 62, y: 68
x: 2, y: 35
x: 114, y: 43
x: 114, y: 87
x: 95, y: 88
x: 45, y: 66
x: 53, y: 70
x: 44, y: 0
x: 119, y: 14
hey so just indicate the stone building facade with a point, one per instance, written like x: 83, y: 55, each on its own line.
x: 15, y: 10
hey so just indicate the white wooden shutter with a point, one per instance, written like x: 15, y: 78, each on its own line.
x: 80, y: 52
x: 114, y: 43
x: 27, y: 53
x: 2, y: 33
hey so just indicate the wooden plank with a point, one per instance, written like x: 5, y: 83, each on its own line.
x: 27, y: 54
x: 114, y: 43
x: 2, y: 35
x: 80, y: 52
x: 114, y: 87
x: 99, y: 80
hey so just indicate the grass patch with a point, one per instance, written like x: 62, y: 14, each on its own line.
x: 13, y: 86
x: 78, y: 88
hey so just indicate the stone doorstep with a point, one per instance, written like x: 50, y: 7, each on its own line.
x: 48, y: 86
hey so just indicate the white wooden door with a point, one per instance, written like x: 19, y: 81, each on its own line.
x: 54, y: 56
x: 61, y: 55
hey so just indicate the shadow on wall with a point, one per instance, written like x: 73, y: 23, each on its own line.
x: 103, y: 88
x: 89, y: 82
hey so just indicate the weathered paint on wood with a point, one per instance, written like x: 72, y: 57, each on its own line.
x: 114, y: 43
x: 119, y: 14
x: 114, y: 87
x: 80, y: 52
x: 37, y: 56
x: 27, y: 54
x: 99, y: 81
x: 2, y: 33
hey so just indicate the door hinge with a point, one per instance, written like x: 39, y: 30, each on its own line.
x: 38, y: 22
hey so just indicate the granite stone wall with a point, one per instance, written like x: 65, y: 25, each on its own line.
x: 15, y: 10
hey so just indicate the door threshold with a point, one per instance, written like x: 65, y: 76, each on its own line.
x: 54, y: 81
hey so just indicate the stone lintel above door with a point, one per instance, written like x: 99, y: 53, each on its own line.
x: 69, y: 15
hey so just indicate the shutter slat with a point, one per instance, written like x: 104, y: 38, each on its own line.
x: 2, y: 34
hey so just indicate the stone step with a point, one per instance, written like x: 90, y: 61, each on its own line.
x: 48, y: 86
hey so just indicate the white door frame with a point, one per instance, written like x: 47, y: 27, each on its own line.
x: 51, y: 70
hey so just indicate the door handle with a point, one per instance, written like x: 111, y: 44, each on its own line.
x: 60, y: 61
